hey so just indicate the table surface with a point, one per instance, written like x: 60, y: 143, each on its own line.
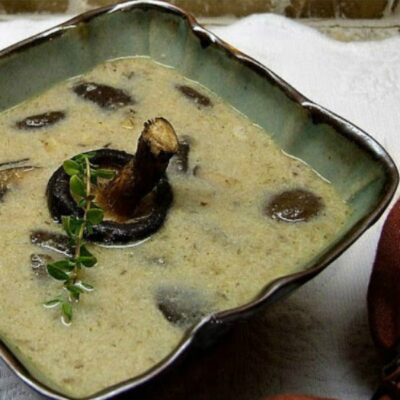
x: 316, y: 341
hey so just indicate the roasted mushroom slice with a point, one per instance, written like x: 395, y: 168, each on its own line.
x: 192, y: 94
x: 41, y: 120
x: 137, y: 200
x: 11, y: 172
x: 39, y: 264
x: 52, y: 241
x: 138, y: 177
x: 106, y: 97
x: 180, y: 162
x: 182, y: 306
x: 147, y: 219
x: 294, y: 205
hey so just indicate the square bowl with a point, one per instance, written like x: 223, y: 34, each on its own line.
x: 356, y: 165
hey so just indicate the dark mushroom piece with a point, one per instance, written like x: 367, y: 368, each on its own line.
x: 295, y: 205
x: 137, y: 200
x: 40, y: 120
x: 39, y: 264
x: 192, y: 94
x: 180, y: 161
x: 182, y: 306
x: 106, y: 97
x: 53, y: 241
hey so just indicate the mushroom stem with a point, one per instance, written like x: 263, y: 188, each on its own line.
x: 156, y: 145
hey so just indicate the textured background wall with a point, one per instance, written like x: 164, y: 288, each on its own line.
x: 292, y: 8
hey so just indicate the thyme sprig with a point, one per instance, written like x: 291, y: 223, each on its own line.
x: 83, y: 175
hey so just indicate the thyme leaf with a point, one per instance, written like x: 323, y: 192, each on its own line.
x: 83, y: 175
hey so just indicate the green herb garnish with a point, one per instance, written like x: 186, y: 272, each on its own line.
x: 83, y: 174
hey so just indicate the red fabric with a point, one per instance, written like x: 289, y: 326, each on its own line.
x: 384, y: 287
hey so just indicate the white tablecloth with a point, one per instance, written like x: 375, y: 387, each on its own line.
x: 317, y: 341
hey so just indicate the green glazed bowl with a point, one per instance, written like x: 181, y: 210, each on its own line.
x: 358, y: 167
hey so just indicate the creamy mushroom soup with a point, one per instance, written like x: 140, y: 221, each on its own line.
x: 243, y: 214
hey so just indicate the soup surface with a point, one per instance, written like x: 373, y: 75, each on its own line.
x: 223, y: 240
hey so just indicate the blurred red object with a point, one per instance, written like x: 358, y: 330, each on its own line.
x: 384, y: 304
x: 384, y: 288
